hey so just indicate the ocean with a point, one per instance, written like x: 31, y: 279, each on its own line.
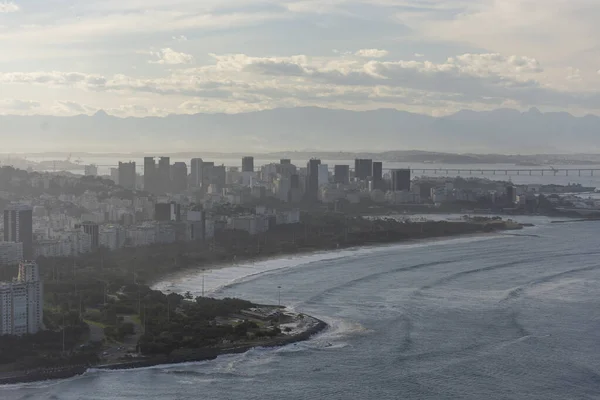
x: 506, y: 316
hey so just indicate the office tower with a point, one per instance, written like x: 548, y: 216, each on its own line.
x: 323, y: 174
x: 150, y: 175
x: 363, y: 168
x: 167, y: 212
x: 196, y: 172
x: 127, y: 175
x: 341, y: 174
x: 400, y: 180
x: 511, y: 194
x: 179, y: 177
x: 22, y: 302
x: 164, y: 175
x: 378, y: 175
x: 90, y: 170
x: 11, y: 253
x: 312, y: 180
x: 207, y: 174
x: 295, y: 181
x: 92, y: 229
x: 248, y: 164
x: 285, y: 161
x: 18, y: 227
x: 219, y: 177
x: 114, y: 175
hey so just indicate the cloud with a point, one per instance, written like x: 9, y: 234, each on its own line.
x: 72, y: 107
x: 9, y: 7
x: 20, y: 105
x: 171, y: 57
x: 180, y: 38
x: 419, y: 55
x: 371, y: 53
x: 239, y: 82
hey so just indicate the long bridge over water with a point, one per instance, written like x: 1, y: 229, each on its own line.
x: 509, y: 171
x: 535, y: 171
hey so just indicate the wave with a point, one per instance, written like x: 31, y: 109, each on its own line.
x: 221, y: 278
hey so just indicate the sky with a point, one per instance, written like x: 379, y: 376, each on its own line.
x: 152, y: 57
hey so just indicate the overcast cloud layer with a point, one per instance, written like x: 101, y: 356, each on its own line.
x: 151, y: 57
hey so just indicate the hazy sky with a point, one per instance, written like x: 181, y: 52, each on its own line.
x: 152, y: 57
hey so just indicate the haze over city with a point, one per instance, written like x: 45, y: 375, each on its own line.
x: 435, y: 58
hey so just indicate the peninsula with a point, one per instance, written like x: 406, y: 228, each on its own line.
x: 100, y: 311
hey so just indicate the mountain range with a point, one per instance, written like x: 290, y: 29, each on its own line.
x: 307, y: 129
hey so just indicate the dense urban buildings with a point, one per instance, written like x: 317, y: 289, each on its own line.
x: 93, y: 230
x: 18, y: 226
x: 22, y: 302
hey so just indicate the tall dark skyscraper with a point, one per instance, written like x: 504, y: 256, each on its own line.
x: 248, y: 164
x: 196, y: 166
x: 18, y: 227
x: 285, y: 161
x: 341, y: 174
x: 150, y: 175
x: 207, y: 174
x: 127, y: 175
x: 92, y: 229
x: 179, y: 177
x: 295, y: 181
x: 219, y: 176
x: 363, y: 168
x: 164, y: 175
x: 312, y: 180
x: 378, y: 175
x: 400, y: 180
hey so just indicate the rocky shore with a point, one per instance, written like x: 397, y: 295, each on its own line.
x: 313, y: 327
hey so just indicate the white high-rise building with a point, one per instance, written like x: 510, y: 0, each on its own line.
x: 22, y: 302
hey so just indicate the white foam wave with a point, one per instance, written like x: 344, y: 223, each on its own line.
x: 220, y: 278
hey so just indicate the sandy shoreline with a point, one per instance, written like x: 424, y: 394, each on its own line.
x: 166, y: 283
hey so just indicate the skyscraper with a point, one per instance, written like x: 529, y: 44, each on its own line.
x: 22, y: 302
x: 196, y: 172
x: 127, y: 175
x: 164, y: 174
x: 312, y: 180
x: 248, y: 164
x: 285, y: 161
x: 400, y: 180
x: 363, y: 168
x: 341, y: 174
x: 150, y: 175
x: 378, y: 175
x: 179, y: 177
x: 18, y: 227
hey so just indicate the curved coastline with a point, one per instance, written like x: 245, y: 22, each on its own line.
x: 191, y: 355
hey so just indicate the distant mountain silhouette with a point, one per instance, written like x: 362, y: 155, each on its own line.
x: 498, y: 131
